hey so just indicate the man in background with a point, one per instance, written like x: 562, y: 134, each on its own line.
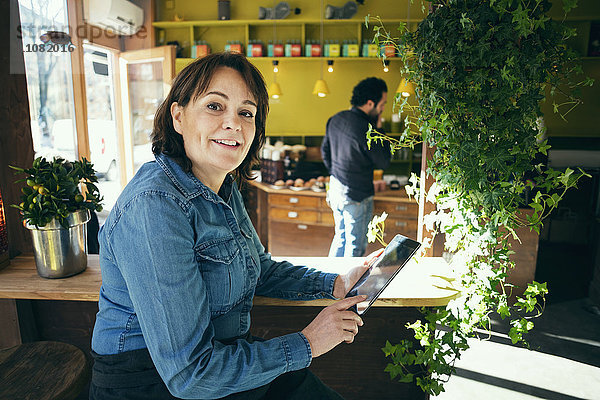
x: 351, y: 163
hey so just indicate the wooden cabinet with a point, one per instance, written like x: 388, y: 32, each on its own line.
x: 396, y: 209
x: 402, y: 219
x: 301, y: 223
x: 299, y: 239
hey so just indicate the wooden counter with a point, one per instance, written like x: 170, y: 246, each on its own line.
x: 387, y: 195
x: 418, y: 284
x: 65, y: 309
x: 300, y: 223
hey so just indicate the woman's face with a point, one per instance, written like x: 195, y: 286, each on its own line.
x: 218, y: 127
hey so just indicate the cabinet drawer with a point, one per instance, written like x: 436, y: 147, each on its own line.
x: 327, y: 217
x: 406, y: 227
x: 406, y: 210
x: 393, y: 226
x: 288, y: 214
x: 292, y: 239
x: 293, y: 200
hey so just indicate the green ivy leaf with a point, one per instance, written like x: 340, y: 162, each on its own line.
x: 389, y: 349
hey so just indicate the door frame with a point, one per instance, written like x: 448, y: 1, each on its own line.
x: 165, y: 54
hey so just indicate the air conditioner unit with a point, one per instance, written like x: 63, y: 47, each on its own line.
x: 118, y: 16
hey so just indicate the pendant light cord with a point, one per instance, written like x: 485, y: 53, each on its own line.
x: 321, y: 44
x: 274, y: 39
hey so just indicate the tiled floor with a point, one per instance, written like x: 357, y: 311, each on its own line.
x: 564, y: 363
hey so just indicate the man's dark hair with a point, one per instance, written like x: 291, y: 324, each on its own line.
x: 368, y: 89
x: 190, y: 84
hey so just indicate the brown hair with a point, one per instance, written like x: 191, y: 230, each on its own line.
x: 189, y: 84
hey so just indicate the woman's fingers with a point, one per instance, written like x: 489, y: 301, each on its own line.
x: 348, y: 337
x: 349, y: 302
x: 350, y: 326
x: 352, y: 316
x: 370, y: 259
x: 333, y: 325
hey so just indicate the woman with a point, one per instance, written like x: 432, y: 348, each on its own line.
x: 181, y: 261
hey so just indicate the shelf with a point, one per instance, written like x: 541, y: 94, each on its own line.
x: 298, y: 22
x: 267, y: 22
x: 296, y: 59
x: 216, y: 32
x: 322, y: 58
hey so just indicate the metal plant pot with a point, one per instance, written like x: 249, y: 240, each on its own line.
x: 61, y: 252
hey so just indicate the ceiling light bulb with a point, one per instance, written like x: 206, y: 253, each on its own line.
x: 330, y: 65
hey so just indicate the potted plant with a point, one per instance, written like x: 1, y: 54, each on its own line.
x: 481, y: 69
x: 57, y: 198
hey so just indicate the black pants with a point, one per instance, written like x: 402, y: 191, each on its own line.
x: 132, y: 375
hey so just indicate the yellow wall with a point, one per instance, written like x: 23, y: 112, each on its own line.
x: 299, y: 112
x: 583, y: 121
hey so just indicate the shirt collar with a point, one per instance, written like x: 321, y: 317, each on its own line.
x: 191, y: 186
x: 360, y: 112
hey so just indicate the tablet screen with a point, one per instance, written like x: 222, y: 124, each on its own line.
x: 397, y: 253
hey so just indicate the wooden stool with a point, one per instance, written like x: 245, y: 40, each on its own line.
x: 43, y: 371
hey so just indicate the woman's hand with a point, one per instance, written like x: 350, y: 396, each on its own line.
x: 343, y: 283
x: 334, y: 325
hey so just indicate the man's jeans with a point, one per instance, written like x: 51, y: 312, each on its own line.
x: 351, y: 221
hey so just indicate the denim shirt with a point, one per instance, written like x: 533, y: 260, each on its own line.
x: 180, y: 266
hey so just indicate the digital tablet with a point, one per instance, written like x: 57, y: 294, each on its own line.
x: 395, y: 256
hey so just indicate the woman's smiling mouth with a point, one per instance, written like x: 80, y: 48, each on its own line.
x: 226, y: 142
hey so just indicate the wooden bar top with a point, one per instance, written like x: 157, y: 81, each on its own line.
x: 418, y: 284
x: 386, y: 195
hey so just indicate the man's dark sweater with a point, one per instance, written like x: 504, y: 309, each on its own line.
x: 346, y: 155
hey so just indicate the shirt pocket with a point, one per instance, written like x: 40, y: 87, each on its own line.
x: 254, y: 262
x: 216, y: 259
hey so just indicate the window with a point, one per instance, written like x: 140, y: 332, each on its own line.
x: 49, y: 80
x: 102, y: 124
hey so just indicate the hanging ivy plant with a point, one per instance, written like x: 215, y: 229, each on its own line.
x: 481, y: 69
